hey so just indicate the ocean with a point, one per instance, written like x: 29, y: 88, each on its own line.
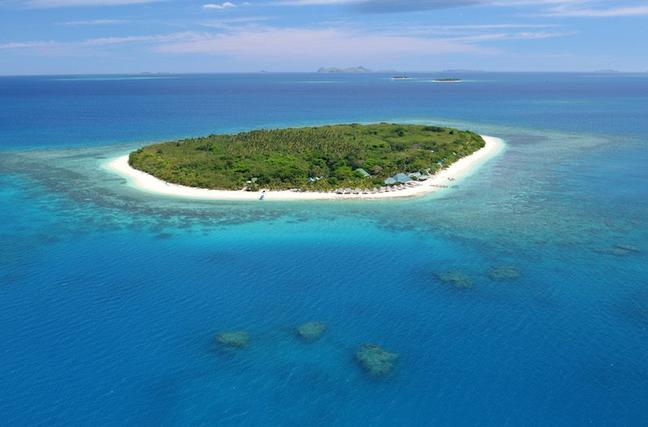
x: 517, y: 297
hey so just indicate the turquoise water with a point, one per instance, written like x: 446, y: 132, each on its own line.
x: 111, y: 298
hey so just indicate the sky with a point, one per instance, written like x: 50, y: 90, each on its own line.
x: 133, y: 36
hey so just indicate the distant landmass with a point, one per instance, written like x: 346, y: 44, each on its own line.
x: 358, y: 69
x: 448, y: 80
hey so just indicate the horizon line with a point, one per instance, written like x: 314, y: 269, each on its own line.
x: 179, y: 73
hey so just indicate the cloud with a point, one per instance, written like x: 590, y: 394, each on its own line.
x: 96, y: 22
x: 599, y: 13
x: 567, y: 8
x: 234, y: 22
x: 293, y: 47
x: 525, y: 35
x: 109, y: 41
x: 330, y: 44
x: 37, y: 44
x: 325, y: 44
x: 314, y: 2
x: 82, y: 3
x: 466, y: 29
x: 491, y: 26
x: 381, y: 6
x: 82, y: 46
x: 226, y: 5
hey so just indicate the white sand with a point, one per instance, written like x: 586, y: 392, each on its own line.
x: 443, y: 179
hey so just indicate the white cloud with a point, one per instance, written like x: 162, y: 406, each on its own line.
x: 226, y: 5
x: 326, y: 44
x: 53, y: 46
x: 95, y: 22
x: 330, y: 44
x: 82, y: 3
x: 36, y: 44
x: 316, y: 2
x: 599, y: 13
x: 232, y: 23
x: 292, y: 46
x: 525, y: 35
x: 491, y: 26
x: 108, y: 41
x: 567, y: 8
x: 466, y: 29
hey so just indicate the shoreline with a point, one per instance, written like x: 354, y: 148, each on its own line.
x: 441, y: 180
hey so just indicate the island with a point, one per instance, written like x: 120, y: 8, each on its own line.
x: 448, y: 80
x: 324, y: 162
x: 347, y: 70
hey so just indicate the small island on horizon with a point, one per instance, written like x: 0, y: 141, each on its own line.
x: 311, y: 159
x: 448, y: 80
x: 339, y: 70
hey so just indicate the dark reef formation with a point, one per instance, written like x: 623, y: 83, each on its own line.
x: 377, y: 361
x: 456, y: 278
x: 504, y: 273
x: 619, y: 250
x: 311, y: 331
x: 233, y: 339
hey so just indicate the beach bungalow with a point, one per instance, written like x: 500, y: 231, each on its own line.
x: 390, y: 181
x: 402, y: 178
x: 399, y: 178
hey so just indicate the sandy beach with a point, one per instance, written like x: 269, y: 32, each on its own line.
x: 443, y: 179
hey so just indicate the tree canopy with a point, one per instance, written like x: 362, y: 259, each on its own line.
x: 309, y: 158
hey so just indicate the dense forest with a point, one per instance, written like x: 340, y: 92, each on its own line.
x: 310, y: 158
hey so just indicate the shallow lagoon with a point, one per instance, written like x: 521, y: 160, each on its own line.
x: 112, y: 298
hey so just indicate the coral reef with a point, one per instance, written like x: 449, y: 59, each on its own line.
x: 311, y: 331
x: 456, y: 278
x: 377, y: 361
x: 504, y: 273
x: 619, y: 250
x: 233, y: 339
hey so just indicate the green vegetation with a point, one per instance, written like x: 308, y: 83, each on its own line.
x: 314, y: 158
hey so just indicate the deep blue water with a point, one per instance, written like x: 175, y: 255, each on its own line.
x: 111, y: 298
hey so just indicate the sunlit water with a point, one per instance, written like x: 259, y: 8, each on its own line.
x: 111, y: 298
